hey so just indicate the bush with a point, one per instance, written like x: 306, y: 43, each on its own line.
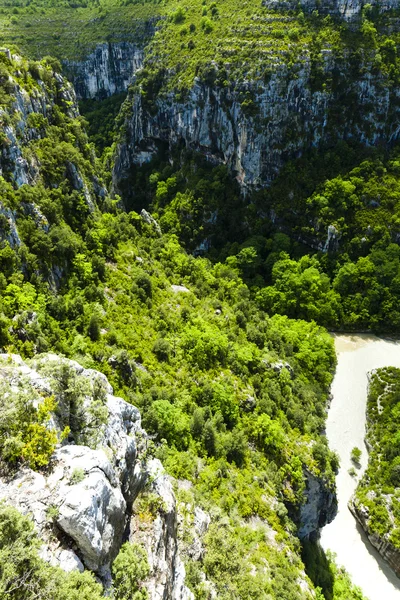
x: 179, y: 15
x: 356, y: 455
x: 162, y: 349
x: 94, y: 328
x: 206, y: 25
x: 24, y: 432
x: 168, y: 422
x: 129, y: 570
x: 23, y: 575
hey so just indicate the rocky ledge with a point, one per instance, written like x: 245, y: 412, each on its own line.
x: 83, y: 503
x: 385, y: 548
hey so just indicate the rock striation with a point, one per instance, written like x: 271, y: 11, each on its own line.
x: 290, y: 114
x: 158, y: 533
x: 320, y: 506
x: 385, y: 548
x: 106, y: 71
x: 19, y: 127
x: 347, y: 10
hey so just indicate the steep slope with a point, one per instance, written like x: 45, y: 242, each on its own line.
x: 375, y: 503
x: 254, y: 95
x: 234, y: 400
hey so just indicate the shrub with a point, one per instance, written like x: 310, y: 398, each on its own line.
x: 129, y: 570
x: 77, y: 476
x: 356, y: 455
x: 206, y: 25
x: 179, y: 15
x: 94, y: 328
x: 162, y: 349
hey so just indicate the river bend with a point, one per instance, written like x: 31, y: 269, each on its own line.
x: 345, y: 429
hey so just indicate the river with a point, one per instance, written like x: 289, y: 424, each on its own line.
x: 345, y: 429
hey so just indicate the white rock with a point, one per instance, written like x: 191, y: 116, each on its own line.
x: 180, y: 288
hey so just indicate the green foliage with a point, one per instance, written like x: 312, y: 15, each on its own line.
x: 81, y: 418
x: 77, y: 476
x: 356, y: 455
x: 129, y: 569
x: 24, y: 432
x: 378, y: 489
x: 24, y: 575
x: 234, y: 395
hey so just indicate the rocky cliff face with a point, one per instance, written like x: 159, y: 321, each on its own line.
x: 88, y: 491
x: 158, y: 533
x: 387, y: 550
x: 319, y: 509
x: 107, y: 71
x: 286, y: 115
x: 35, y: 101
x: 343, y: 9
x: 23, y: 121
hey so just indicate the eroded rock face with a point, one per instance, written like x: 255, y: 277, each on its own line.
x: 389, y: 552
x: 20, y: 131
x: 290, y: 116
x: 87, y: 491
x: 347, y: 10
x: 320, y: 507
x: 159, y: 536
x: 107, y: 71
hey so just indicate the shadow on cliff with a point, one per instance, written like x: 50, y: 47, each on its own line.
x: 382, y: 564
x: 317, y: 567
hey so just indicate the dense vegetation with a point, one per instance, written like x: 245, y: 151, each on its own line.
x: 350, y: 283
x: 235, y: 398
x: 378, y: 490
x: 23, y: 574
x: 213, y: 323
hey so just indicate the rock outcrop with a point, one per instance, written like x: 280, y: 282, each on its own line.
x: 23, y: 121
x: 158, y: 533
x: 385, y: 548
x: 347, y: 10
x: 85, y: 496
x: 106, y: 71
x: 290, y: 114
x: 87, y: 491
x: 320, y: 507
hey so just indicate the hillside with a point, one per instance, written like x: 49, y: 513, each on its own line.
x: 172, y: 248
x: 375, y: 503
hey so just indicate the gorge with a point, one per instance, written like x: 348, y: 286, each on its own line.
x: 357, y: 356
x: 192, y: 195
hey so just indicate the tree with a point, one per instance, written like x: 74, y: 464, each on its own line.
x: 356, y: 455
x: 94, y: 328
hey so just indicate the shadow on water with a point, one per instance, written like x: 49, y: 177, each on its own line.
x: 382, y: 564
x: 317, y: 567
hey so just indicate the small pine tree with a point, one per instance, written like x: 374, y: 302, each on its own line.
x: 94, y: 328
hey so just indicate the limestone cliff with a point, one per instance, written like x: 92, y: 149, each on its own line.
x: 34, y: 100
x: 23, y: 120
x: 106, y: 71
x: 287, y: 113
x: 385, y: 548
x: 320, y: 506
x: 93, y: 479
x: 343, y: 9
